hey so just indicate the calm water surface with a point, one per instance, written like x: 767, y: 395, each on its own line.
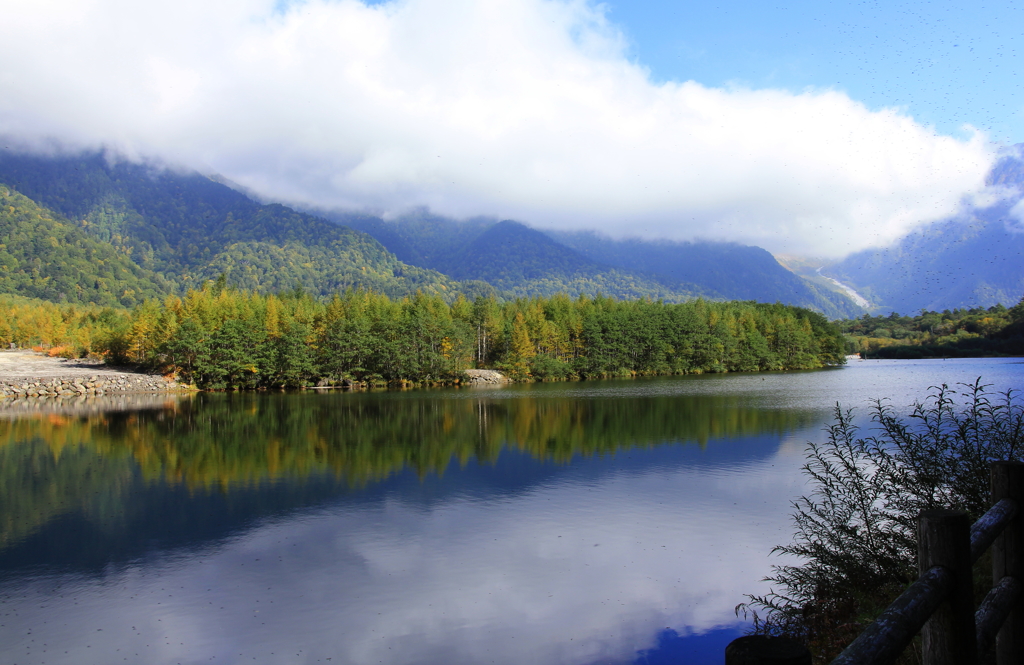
x: 580, y: 523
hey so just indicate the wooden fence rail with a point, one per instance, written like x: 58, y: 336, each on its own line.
x: 940, y: 604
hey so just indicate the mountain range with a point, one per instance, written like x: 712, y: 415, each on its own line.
x: 94, y: 228
x: 172, y: 230
x: 162, y: 230
x: 522, y: 261
x: 514, y: 258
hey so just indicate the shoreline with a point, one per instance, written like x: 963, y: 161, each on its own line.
x: 27, y: 375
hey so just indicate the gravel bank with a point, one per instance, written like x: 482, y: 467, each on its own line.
x: 29, y: 374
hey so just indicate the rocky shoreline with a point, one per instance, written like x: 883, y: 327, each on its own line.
x: 28, y: 374
x: 91, y: 385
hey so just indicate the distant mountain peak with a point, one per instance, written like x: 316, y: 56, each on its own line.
x: 1009, y: 168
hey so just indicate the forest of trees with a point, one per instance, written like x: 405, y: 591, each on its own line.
x: 224, y: 338
x: 953, y: 333
x: 45, y: 256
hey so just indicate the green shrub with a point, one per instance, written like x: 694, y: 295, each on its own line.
x: 856, y: 531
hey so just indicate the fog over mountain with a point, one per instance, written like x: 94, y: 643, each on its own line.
x: 531, y: 110
x: 973, y: 259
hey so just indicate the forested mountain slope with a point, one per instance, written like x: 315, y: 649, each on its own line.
x: 45, y: 256
x: 419, y: 238
x: 729, y: 270
x: 188, y: 228
x: 510, y: 256
x: 975, y: 259
x: 522, y: 260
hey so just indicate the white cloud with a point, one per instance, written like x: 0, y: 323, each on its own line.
x: 515, y: 108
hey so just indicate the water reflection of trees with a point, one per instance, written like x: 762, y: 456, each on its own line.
x: 41, y: 479
x: 51, y: 464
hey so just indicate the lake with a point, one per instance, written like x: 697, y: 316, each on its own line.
x: 572, y: 523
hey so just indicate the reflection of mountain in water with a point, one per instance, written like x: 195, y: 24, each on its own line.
x: 120, y: 482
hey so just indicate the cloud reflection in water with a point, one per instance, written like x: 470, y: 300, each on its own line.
x: 574, y: 570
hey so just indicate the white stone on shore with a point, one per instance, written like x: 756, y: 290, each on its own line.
x: 483, y: 377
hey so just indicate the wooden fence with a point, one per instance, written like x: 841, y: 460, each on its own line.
x: 940, y: 604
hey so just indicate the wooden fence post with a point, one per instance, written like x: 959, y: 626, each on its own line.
x: 1008, y: 557
x: 944, y: 539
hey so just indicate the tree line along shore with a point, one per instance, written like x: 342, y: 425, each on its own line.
x: 218, y: 337
x: 967, y: 332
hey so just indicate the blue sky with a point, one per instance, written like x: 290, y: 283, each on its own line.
x: 810, y: 128
x: 946, y: 63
